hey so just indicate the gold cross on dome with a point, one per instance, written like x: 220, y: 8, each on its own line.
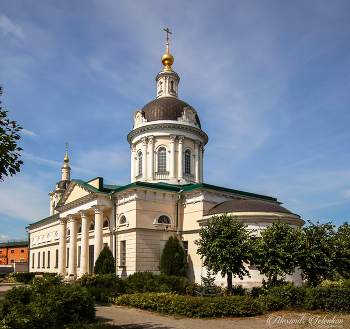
x: 167, y: 34
x: 66, y: 145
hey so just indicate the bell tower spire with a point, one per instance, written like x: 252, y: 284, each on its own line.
x: 167, y: 80
x: 66, y: 168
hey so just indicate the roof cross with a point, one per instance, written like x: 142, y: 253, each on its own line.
x: 167, y: 35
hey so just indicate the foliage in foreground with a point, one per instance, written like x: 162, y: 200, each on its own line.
x: 105, y: 262
x: 225, y: 245
x: 173, y: 259
x: 208, y: 288
x: 9, y: 150
x: 198, y: 307
x: 45, y: 303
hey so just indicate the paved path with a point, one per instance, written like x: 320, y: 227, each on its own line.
x: 135, y: 318
x: 7, y: 286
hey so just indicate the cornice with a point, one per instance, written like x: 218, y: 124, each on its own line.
x: 181, y: 127
x: 78, y: 202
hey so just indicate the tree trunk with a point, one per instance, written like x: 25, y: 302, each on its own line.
x: 229, y: 283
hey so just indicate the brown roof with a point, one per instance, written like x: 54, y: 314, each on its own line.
x: 249, y: 205
x: 165, y: 108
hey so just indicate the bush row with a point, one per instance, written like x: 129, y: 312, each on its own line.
x: 334, y: 299
x: 199, y: 307
x: 45, y: 303
x: 108, y: 286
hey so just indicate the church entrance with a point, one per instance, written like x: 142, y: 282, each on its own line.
x: 91, y: 259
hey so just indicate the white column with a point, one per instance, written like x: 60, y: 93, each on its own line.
x: 72, y: 266
x: 150, y: 158
x: 132, y: 148
x: 84, y: 263
x: 202, y: 167
x: 98, y: 231
x: 144, y: 158
x: 62, y: 248
x: 172, y: 157
x: 196, y: 164
x: 179, y: 162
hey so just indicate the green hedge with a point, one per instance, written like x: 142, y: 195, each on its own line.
x: 199, y: 307
x: 22, y: 277
x: 45, y: 303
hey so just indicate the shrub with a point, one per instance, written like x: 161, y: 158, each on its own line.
x: 103, y: 287
x: 173, y: 259
x: 141, y: 282
x: 22, y: 277
x: 105, y: 262
x: 46, y: 303
x: 200, y: 307
x: 209, y: 288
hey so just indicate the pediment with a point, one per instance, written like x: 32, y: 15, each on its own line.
x: 74, y: 192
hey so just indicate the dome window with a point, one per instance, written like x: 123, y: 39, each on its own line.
x: 172, y: 85
x: 164, y: 220
x: 140, y: 164
x: 187, y: 162
x: 162, y: 159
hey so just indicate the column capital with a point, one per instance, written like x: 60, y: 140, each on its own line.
x: 197, y: 143
x: 83, y: 213
x: 98, y: 209
x: 181, y: 138
x: 144, y: 141
x: 150, y: 139
x: 133, y: 148
x: 71, y: 218
x: 63, y: 221
x: 172, y: 138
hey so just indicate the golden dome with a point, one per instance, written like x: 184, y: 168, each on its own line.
x: 66, y: 159
x: 167, y: 60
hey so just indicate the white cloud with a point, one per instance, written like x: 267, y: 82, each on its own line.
x: 9, y: 28
x: 36, y: 159
x: 24, y: 197
x: 3, y: 236
x: 29, y: 133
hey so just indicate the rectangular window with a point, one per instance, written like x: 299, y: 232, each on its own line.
x: 185, y: 246
x: 43, y: 259
x: 48, y: 259
x: 0, y: 261
x: 12, y: 251
x: 122, y: 253
x: 79, y: 255
x: 0, y: 251
x: 56, y: 260
x: 38, y: 259
x: 12, y: 260
x: 22, y: 260
x: 67, y: 257
x: 22, y: 251
x: 33, y: 258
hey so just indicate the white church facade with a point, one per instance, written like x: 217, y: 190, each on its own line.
x: 166, y: 196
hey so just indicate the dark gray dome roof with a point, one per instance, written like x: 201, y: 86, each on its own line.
x: 63, y: 184
x: 247, y: 205
x: 165, y: 108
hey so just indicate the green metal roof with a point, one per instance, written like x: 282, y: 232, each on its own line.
x: 14, y: 243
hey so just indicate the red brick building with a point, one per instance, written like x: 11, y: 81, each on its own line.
x: 13, y: 251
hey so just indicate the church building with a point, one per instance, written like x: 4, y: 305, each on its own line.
x: 166, y: 196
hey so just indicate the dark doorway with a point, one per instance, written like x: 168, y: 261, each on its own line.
x: 91, y: 258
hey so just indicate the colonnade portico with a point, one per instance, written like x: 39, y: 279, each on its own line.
x: 176, y: 169
x: 71, y: 222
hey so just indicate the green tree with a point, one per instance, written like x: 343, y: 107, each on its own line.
x: 9, y: 156
x: 173, y: 259
x: 276, y: 253
x: 105, y: 262
x: 317, y: 253
x: 225, y: 244
x: 341, y: 260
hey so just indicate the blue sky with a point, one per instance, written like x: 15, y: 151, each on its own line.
x: 269, y: 79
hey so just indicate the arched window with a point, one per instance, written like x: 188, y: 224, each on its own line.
x: 57, y: 236
x: 140, y: 163
x: 91, y: 227
x: 171, y: 85
x: 48, y: 237
x: 187, y: 162
x: 122, y: 220
x: 162, y: 159
x: 79, y: 229
x: 68, y: 232
x: 164, y: 220
x: 105, y: 223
